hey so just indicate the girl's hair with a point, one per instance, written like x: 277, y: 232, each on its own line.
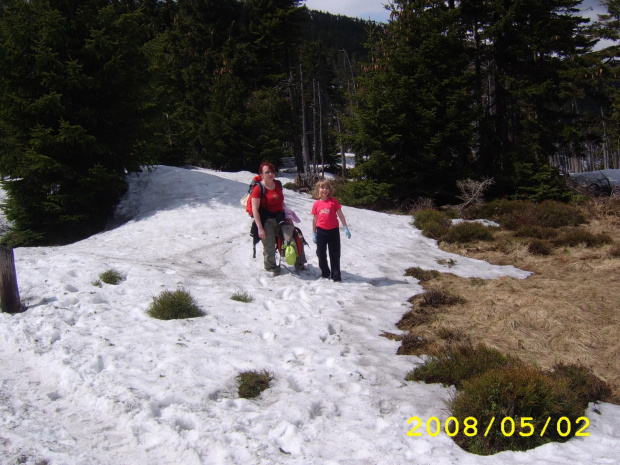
x: 266, y: 164
x: 324, y: 183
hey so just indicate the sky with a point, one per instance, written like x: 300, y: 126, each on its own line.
x: 374, y: 9
x: 86, y: 377
x: 363, y: 9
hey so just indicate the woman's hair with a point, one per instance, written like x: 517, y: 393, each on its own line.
x: 324, y: 183
x: 266, y: 164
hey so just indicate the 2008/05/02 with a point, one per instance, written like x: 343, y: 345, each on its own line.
x: 507, y: 426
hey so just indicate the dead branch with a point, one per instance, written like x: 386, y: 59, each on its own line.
x: 472, y: 192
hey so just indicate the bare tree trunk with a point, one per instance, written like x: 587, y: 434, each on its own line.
x: 321, y: 134
x: 315, y: 142
x: 352, y: 87
x: 304, y: 124
x: 605, y: 144
x: 9, y: 292
x: 299, y: 163
x: 342, y: 151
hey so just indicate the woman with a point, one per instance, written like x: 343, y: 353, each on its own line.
x: 268, y: 212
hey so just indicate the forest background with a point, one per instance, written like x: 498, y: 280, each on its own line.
x: 90, y: 90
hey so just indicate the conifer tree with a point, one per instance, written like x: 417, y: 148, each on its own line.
x: 73, y: 86
x: 528, y: 58
x: 603, y: 122
x: 414, y: 122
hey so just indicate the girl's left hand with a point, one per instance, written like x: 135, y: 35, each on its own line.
x: 347, y: 232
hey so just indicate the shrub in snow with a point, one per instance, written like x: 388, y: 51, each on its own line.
x: 251, y: 383
x: 412, y: 344
x: 420, y: 274
x: 529, y: 408
x: 437, y: 296
x: 415, y: 317
x: 524, y: 405
x: 174, y: 306
x: 242, y: 297
x: 432, y: 223
x: 111, y: 277
x: 458, y: 363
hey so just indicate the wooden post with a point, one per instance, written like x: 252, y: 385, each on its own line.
x: 9, y: 293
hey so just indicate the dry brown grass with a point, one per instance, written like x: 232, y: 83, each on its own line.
x: 568, y: 311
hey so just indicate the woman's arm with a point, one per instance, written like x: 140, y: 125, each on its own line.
x: 257, y: 219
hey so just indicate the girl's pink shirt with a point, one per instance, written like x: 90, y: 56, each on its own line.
x: 325, y: 211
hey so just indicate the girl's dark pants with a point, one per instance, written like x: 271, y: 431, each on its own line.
x: 328, y: 239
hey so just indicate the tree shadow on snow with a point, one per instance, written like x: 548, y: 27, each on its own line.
x: 313, y: 273
x: 165, y: 188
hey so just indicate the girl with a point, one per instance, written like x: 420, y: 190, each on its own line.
x: 327, y: 210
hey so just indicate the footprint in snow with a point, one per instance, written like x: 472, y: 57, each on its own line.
x: 294, y: 384
x: 317, y: 409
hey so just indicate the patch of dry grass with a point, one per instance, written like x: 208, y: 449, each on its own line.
x: 568, y: 311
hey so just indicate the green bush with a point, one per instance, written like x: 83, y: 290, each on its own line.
x: 433, y: 223
x: 536, y: 232
x: 496, y: 391
x: 174, y: 306
x: 242, y: 297
x: 415, y: 317
x: 251, y: 383
x: 493, y: 210
x: 586, y: 386
x: 516, y: 214
x: 517, y: 395
x: 459, y: 363
x: 574, y: 236
x: 468, y: 232
x: 411, y: 345
x: 438, y: 296
x: 422, y: 275
x: 112, y: 277
x: 539, y: 247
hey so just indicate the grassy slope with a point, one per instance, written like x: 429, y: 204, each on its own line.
x: 567, y: 311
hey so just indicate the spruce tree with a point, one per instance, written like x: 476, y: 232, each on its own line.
x: 414, y: 121
x: 72, y: 78
x: 529, y: 55
x: 227, y: 63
